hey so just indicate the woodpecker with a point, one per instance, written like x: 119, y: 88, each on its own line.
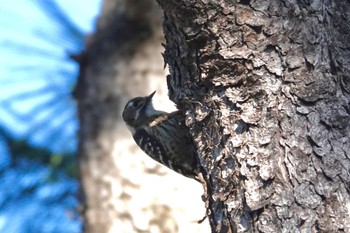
x: 162, y: 136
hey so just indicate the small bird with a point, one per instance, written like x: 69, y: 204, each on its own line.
x: 162, y: 136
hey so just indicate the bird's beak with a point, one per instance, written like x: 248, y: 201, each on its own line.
x: 151, y: 96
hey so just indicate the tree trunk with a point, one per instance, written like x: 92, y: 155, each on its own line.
x: 123, y: 190
x: 266, y: 87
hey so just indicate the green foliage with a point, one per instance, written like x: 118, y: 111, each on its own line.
x: 64, y: 162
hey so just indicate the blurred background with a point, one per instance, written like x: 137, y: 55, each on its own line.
x: 125, y: 191
x: 38, y: 115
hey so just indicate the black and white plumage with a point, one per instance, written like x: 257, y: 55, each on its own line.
x: 162, y: 136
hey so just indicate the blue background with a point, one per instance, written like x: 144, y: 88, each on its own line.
x: 38, y: 115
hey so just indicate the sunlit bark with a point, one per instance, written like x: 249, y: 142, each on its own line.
x: 266, y: 88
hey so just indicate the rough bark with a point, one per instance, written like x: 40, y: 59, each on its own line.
x: 124, y: 190
x: 266, y: 87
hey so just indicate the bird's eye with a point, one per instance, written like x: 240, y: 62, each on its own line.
x: 136, y: 104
